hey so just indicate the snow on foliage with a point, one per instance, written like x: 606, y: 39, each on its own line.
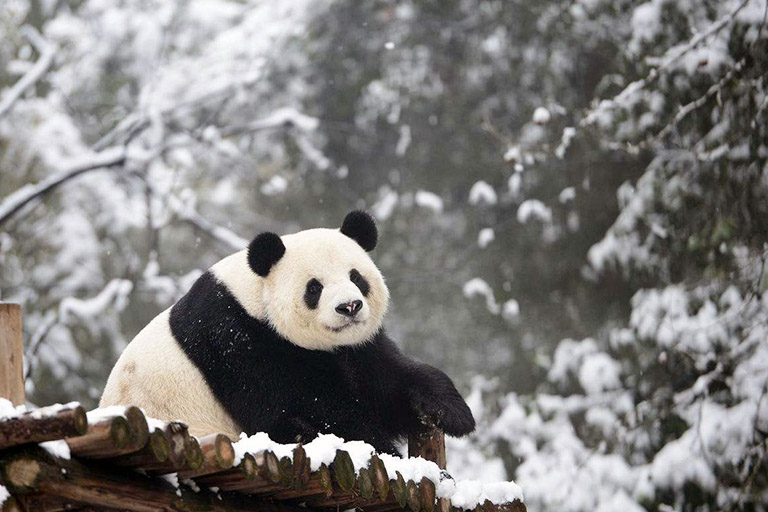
x: 478, y: 287
x: 386, y: 204
x: 533, y: 209
x: 428, y: 200
x: 276, y: 185
x: 485, y: 237
x: 541, y: 115
x: 481, y: 192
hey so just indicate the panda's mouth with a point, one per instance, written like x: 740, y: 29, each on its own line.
x: 343, y: 327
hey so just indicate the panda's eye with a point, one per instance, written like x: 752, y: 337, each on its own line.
x: 359, y: 281
x: 312, y: 293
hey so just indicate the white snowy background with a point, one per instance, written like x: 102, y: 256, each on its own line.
x: 572, y: 196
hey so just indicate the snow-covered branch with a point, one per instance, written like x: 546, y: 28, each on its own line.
x: 665, y: 62
x: 186, y: 212
x: 281, y: 117
x: 47, y: 52
x: 690, y: 107
x: 21, y: 197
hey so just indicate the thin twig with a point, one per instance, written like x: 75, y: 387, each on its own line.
x: 47, y: 52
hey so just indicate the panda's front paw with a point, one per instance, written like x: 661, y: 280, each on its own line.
x: 448, y: 412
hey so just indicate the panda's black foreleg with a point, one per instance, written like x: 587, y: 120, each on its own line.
x: 414, y: 390
x: 432, y: 397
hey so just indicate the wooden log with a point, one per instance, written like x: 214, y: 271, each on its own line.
x: 380, y: 477
x: 413, y: 496
x: 245, y: 471
x: 301, y: 467
x: 428, y: 444
x: 192, y: 460
x: 46, y: 503
x: 108, y: 437
x: 193, y: 454
x: 286, y: 467
x: 155, y: 452
x: 112, y: 436
x: 13, y: 504
x: 178, y: 437
x: 389, y: 505
x: 270, y: 467
x: 344, y: 500
x: 316, y: 487
x: 399, y: 490
x: 11, y: 364
x: 487, y: 506
x: 46, y: 424
x: 32, y: 470
x: 137, y: 424
x: 428, y: 494
x: 365, y: 483
x: 218, y: 455
x: 267, y: 479
x: 324, y: 474
x: 343, y: 470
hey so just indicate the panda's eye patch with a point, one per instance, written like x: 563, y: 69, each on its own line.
x: 359, y: 281
x: 312, y: 293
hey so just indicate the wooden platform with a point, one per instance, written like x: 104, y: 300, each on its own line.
x: 60, y: 458
x: 115, y: 462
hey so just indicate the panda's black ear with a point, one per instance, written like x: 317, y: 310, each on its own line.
x: 264, y: 251
x: 360, y: 227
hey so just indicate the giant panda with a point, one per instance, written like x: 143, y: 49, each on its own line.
x: 286, y: 338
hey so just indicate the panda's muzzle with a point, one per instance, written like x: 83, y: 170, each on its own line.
x: 350, y: 309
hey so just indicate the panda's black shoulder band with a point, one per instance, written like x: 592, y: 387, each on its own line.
x: 360, y: 227
x: 264, y: 251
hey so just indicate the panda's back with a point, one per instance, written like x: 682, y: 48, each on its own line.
x: 154, y: 373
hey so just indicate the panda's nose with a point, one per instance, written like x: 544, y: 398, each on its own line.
x: 349, y: 309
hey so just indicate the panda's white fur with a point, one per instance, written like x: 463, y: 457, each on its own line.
x: 155, y: 373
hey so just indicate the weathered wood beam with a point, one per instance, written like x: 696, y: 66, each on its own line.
x: 155, y: 452
x: 245, y: 471
x: 11, y: 363
x: 31, y: 469
x: 112, y: 436
x: 46, y: 424
x: 429, y: 443
x: 105, y: 437
x: 12, y: 504
x: 217, y: 455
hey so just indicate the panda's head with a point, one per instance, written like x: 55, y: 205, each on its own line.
x: 320, y: 289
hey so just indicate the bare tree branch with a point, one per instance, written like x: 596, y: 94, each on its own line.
x: 187, y: 212
x: 47, y: 52
x: 18, y: 199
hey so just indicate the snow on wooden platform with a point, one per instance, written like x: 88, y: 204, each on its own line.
x: 61, y: 458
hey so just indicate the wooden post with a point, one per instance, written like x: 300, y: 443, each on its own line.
x: 11, y: 366
x: 430, y: 444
